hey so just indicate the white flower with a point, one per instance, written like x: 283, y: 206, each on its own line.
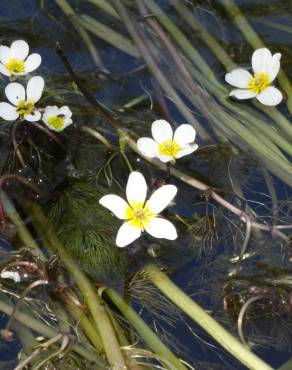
x: 57, y: 119
x: 168, y: 146
x: 265, y: 67
x: 140, y: 214
x: 14, y: 275
x: 23, y: 101
x: 15, y: 60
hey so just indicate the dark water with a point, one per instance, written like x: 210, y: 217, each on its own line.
x: 198, y: 264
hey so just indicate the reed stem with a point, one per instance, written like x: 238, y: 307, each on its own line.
x: 21, y: 229
x: 47, y: 331
x: 212, y: 327
x: 94, y: 303
x: 143, y: 330
x: 69, y: 12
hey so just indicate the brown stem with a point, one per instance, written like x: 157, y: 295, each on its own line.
x: 241, y: 316
x: 20, y: 299
x: 45, y: 130
x: 148, y: 53
x: 31, y: 266
x: 16, y: 144
x: 88, y: 96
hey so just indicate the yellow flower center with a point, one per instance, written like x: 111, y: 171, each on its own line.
x: 24, y: 107
x: 15, y: 65
x: 259, y: 82
x: 139, y: 215
x: 56, y: 121
x: 169, y: 148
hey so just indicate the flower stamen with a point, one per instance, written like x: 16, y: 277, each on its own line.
x: 15, y: 65
x: 259, y: 82
x: 139, y: 215
x: 169, y: 148
x: 56, y: 122
x: 24, y: 107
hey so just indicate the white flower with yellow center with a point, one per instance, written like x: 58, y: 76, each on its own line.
x: 168, y: 146
x: 14, y: 60
x: 141, y: 214
x: 265, y: 67
x: 23, y: 100
x: 57, y: 119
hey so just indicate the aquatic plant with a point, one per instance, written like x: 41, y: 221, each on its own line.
x: 265, y: 67
x: 167, y: 146
x: 70, y: 258
x: 139, y: 214
x: 15, y: 61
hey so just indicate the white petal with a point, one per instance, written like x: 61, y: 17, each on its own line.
x: 32, y: 62
x: 19, y: 49
x: 35, y: 88
x: 115, y: 204
x: 273, y: 68
x: 161, y: 198
x: 187, y: 150
x: 127, y: 234
x: 67, y: 122
x: 184, y: 134
x: 161, y: 131
x: 136, y: 189
x: 15, y: 92
x: 239, y: 77
x: 50, y: 110
x: 147, y: 147
x: 8, y: 112
x: 161, y: 228
x: 4, y: 70
x: 33, y: 116
x: 261, y: 60
x: 242, y: 94
x: 164, y: 158
x: 270, y: 96
x: 4, y: 54
x: 65, y: 110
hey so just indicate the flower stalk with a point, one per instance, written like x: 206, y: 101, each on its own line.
x: 200, y: 316
x: 143, y: 330
x: 47, y: 331
x: 94, y: 303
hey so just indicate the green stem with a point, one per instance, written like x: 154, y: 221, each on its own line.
x: 143, y: 46
x: 184, y: 43
x: 47, y: 331
x: 106, y: 7
x: 212, y: 327
x: 200, y: 31
x: 107, y: 34
x: 225, y: 59
x: 287, y: 365
x: 69, y: 12
x: 63, y: 320
x: 254, y: 117
x: 131, y: 362
x: 22, y: 231
x: 86, y: 326
x: 255, y: 41
x: 143, y: 330
x: 26, y: 338
x: 94, y: 303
